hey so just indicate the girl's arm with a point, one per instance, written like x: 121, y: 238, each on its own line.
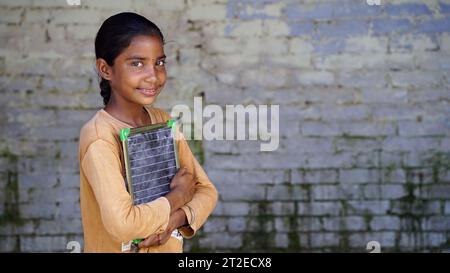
x: 121, y: 219
x: 205, y: 197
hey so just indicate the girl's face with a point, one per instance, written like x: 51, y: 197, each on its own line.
x: 139, y: 74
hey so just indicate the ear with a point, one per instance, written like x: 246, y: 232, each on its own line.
x: 103, y: 69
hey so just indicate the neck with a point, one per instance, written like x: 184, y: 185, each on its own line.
x: 128, y: 112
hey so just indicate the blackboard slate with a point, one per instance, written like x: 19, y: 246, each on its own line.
x: 151, y: 160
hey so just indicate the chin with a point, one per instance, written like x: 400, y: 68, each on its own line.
x: 147, y: 101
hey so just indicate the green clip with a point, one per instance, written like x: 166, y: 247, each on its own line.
x: 137, y: 241
x: 171, y: 123
x: 124, y: 134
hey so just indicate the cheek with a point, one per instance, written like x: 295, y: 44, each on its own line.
x: 131, y: 77
x: 162, y: 76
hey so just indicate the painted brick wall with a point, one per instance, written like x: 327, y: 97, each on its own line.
x: 364, y: 119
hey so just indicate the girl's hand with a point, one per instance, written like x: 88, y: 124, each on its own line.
x: 182, y: 189
x: 176, y: 220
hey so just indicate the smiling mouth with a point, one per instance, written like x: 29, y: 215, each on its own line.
x: 147, y: 92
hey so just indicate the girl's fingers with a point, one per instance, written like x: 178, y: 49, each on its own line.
x: 150, y: 241
x: 182, y: 171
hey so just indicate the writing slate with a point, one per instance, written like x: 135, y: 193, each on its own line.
x: 151, y: 160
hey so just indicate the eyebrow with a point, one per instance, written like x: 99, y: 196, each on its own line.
x: 143, y: 58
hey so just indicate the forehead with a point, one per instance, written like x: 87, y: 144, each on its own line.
x: 149, y: 47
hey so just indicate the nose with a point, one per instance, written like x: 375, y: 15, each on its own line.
x: 150, y: 74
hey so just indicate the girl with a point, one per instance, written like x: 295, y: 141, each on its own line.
x: 131, y: 63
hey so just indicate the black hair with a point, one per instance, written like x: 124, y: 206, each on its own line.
x: 116, y: 34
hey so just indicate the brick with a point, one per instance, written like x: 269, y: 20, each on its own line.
x: 436, y: 223
x: 37, y: 181
x: 438, y: 191
x: 420, y: 175
x: 300, y: 46
x: 120, y: 6
x: 411, y: 241
x: 319, y: 208
x: 387, y: 192
x: 359, y: 176
x: 360, y: 240
x: 362, y: 129
x: 276, y: 28
x: 348, y: 192
x: 300, y: 61
x: 447, y: 207
x: 344, y: 28
x: 408, y: 9
x: 58, y: 194
x: 223, y: 45
x: 258, y: 224
x: 246, y: 29
x: 352, y: 10
x: 252, y: 10
x: 75, y: 16
x: 209, y: 12
x: 282, y: 208
x: 324, y: 239
x: 11, y: 16
x: 286, y: 192
x: 266, y: 161
x: 351, y: 223
x: 309, y: 145
x: 416, y: 79
x: 357, y: 145
x: 407, y: 144
x: 59, y: 226
x: 294, y: 11
x: 410, y: 43
x: 444, y: 7
x: 301, y: 29
x: 326, y: 160
x: 215, y: 224
x: 394, y: 96
x: 221, y: 240
x: 386, y: 26
x: 236, y: 224
x: 320, y: 192
x: 430, y: 128
x: 418, y: 207
x: 373, y: 207
x: 316, y: 78
x: 37, y: 210
x: 379, y: 223
x: 393, y: 175
x: 43, y: 244
x: 281, y: 240
x: 315, y: 176
x: 434, y: 25
x: 395, y: 112
x: 9, y: 244
x: 303, y: 224
x: 271, y: 79
x: 18, y: 3
x: 232, y: 208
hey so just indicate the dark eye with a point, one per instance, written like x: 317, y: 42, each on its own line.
x: 161, y: 62
x: 137, y: 64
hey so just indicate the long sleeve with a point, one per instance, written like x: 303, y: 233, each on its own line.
x: 123, y: 221
x: 205, y: 197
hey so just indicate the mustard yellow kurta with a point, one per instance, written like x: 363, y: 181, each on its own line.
x: 108, y: 215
